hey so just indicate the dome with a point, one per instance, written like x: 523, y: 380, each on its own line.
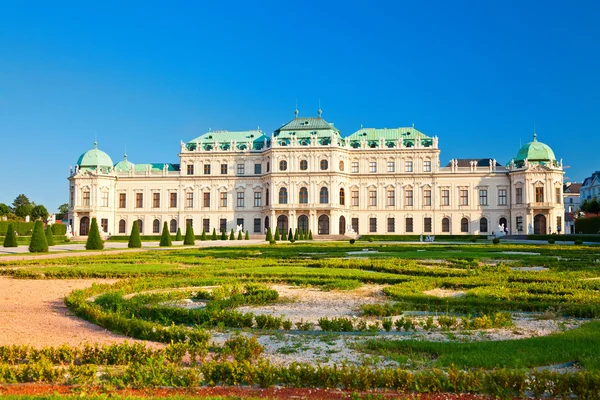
x: 95, y: 158
x: 535, y: 151
x: 124, y: 165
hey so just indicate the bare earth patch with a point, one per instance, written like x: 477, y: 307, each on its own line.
x: 439, y: 292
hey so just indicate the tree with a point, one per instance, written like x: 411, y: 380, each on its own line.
x: 39, y: 212
x: 94, y: 241
x: 4, y: 209
x: 20, y: 200
x: 214, y: 235
x: 269, y: 236
x: 63, y: 210
x: 585, y: 206
x: 165, y: 238
x: 296, y: 234
x: 38, y: 239
x: 283, y: 234
x: 203, y: 236
x: 232, y: 235
x: 239, y: 235
x: 594, y: 206
x: 276, y: 235
x: 23, y: 210
x: 290, y: 235
x: 310, y: 235
x: 223, y: 235
x: 178, y: 236
x: 190, y: 238
x: 135, y: 241
x: 49, y: 237
x: 247, y: 237
x: 11, y: 239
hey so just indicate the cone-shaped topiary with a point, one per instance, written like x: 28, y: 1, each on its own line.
x: 310, y: 235
x: 179, y: 236
x: 283, y: 235
x: 165, y: 238
x: 214, y: 234
x: 11, y: 239
x: 247, y: 237
x: 290, y: 235
x: 94, y: 241
x: 239, y: 235
x: 296, y: 235
x: 38, y: 239
x: 203, y: 236
x: 49, y: 237
x: 223, y: 235
x: 232, y: 235
x: 276, y: 235
x: 269, y: 236
x: 135, y: 241
x: 190, y: 239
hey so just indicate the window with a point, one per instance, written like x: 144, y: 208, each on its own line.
x: 122, y: 200
x: 257, y: 199
x: 267, y: 198
x: 85, y: 198
x: 206, y: 200
x: 241, y: 169
x: 324, y: 195
x: 355, y: 224
x: 409, y: 224
x: 426, y: 166
x: 391, y: 224
x: 190, y: 169
x: 139, y: 200
x: 341, y: 165
x: 519, y: 195
x: 141, y: 225
x: 445, y: 225
x: 483, y: 225
x: 240, y: 222
x: 355, y: 198
x: 223, y: 199
x: 283, y: 196
x: 268, y: 166
x: 372, y: 224
x: 408, y: 166
x: 519, y: 224
x: 483, y: 201
x: 408, y: 198
x: 391, y: 166
x: 303, y: 165
x: 206, y: 225
x: 189, y: 222
x: 559, y: 223
x: 303, y: 198
x: 173, y: 200
x: 223, y: 225
x: 257, y: 225
x: 342, y: 197
x: 240, y: 199
x: 223, y: 169
x: 155, y: 200
x: 464, y: 197
x: 257, y: 169
x: 206, y: 169
x: 427, y: 224
x: 372, y: 197
x: 324, y: 165
x: 122, y: 226
x: 104, y: 225
x: 427, y: 197
x: 355, y: 167
x: 539, y: 194
x: 502, y: 197
x: 373, y: 166
x: 104, y: 199
x: 445, y: 197
x: 156, y: 226
x: 391, y: 198
x: 557, y: 196
x: 282, y: 165
x: 173, y: 226
x: 189, y: 199
x: 464, y: 225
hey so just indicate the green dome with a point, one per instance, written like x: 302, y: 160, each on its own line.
x: 124, y: 165
x: 95, y: 158
x: 535, y: 152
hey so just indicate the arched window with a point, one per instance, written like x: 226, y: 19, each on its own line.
x: 303, y: 224
x: 267, y: 198
x: 303, y: 196
x: 323, y: 225
x: 283, y: 196
x: 342, y: 197
x: 303, y: 165
x: 122, y: 226
x: 268, y: 166
x: 156, y: 226
x: 342, y: 225
x: 324, y: 165
x: 282, y: 165
x: 341, y: 165
x: 282, y: 223
x: 446, y: 225
x: 84, y: 226
x: 483, y: 225
x: 173, y: 226
x: 266, y: 224
x: 324, y: 195
x: 141, y: 226
x: 464, y: 225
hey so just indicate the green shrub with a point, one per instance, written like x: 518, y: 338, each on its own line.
x: 496, y: 240
x: 371, y: 240
x: 59, y: 229
x: 203, y: 236
x: 135, y: 241
x: 165, y: 238
x: 578, y: 242
x: 242, y: 348
x: 296, y: 236
x: 590, y: 225
x: 276, y: 236
x: 240, y: 237
x: 310, y: 235
x: 284, y: 235
x: 94, y: 241
x: 223, y: 235
x: 189, y: 239
x: 11, y: 239
x: 269, y: 236
x: 551, y: 241
x: 387, y: 324
x: 49, y: 236
x: 272, y: 241
x: 178, y: 236
x: 247, y: 237
x: 22, y: 228
x: 38, y: 239
x: 340, y: 324
x: 352, y: 241
x: 232, y: 235
x: 214, y: 234
x: 290, y: 235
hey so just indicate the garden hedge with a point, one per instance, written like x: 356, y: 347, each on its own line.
x: 415, y: 238
x: 565, y: 238
x: 22, y: 228
x: 589, y: 225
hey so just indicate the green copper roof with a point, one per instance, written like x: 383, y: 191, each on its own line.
x: 535, y: 151
x: 124, y: 165
x: 304, y: 129
x: 94, y: 158
x: 154, y: 167
x: 390, y: 136
x: 224, y: 139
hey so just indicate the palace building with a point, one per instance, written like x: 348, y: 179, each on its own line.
x: 307, y: 175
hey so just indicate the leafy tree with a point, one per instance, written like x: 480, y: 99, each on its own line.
x: 94, y: 241
x: 49, y: 237
x: 594, y: 206
x: 290, y: 235
x: 135, y: 241
x: 269, y: 236
x: 223, y: 235
x: 296, y: 235
x: 310, y: 235
x: 190, y: 238
x: 11, y: 239
x: 247, y: 237
x: 239, y: 235
x: 4, y: 209
x: 178, y: 236
x: 23, y: 210
x: 283, y: 234
x: 276, y: 236
x: 38, y: 239
x: 214, y: 235
x: 39, y: 212
x: 203, y: 237
x: 165, y: 238
x: 20, y: 200
x: 63, y: 210
x: 232, y: 235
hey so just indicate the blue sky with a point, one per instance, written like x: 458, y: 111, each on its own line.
x: 145, y: 75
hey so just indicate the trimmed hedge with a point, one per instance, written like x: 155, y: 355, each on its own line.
x: 565, y: 238
x: 38, y: 239
x: 415, y: 238
x: 589, y: 225
x: 135, y: 241
x: 22, y: 228
x: 11, y: 239
x: 94, y: 241
x: 165, y: 238
x: 49, y: 236
x: 59, y: 229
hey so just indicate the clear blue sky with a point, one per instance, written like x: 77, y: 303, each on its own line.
x: 145, y: 75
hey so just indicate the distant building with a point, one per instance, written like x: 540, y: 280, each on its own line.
x: 591, y: 187
x: 571, y: 197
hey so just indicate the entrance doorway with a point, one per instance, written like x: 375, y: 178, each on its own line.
x: 342, y: 225
x: 303, y: 224
x: 539, y: 224
x: 324, y: 225
x: 282, y: 224
x: 502, y: 222
x: 84, y: 226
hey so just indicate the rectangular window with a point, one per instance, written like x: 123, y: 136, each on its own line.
x: 104, y: 225
x: 372, y: 198
x: 173, y: 200
x: 355, y: 167
x: 155, y: 200
x: 372, y: 224
x: 409, y: 224
x: 408, y: 166
x: 122, y: 200
x: 391, y: 166
x: 464, y: 197
x: 257, y: 199
x: 558, y: 200
x: 240, y: 199
x: 139, y: 200
x: 391, y: 198
x: 206, y: 200
x: 539, y: 194
x: 445, y: 197
x: 223, y: 169
x: 355, y: 198
x: 189, y: 199
x: 257, y: 169
x: 223, y: 225
x: 559, y: 224
x: 408, y: 198
x: 223, y: 199
x: 85, y: 198
x: 427, y: 197
x: 427, y: 225
x: 206, y: 169
x: 427, y: 166
x: 190, y: 169
x: 206, y: 225
x: 483, y: 200
x: 355, y: 224
x: 502, y: 197
x: 241, y: 169
x: 122, y: 226
x: 372, y: 166
x: 240, y: 222
x: 391, y: 222
x: 257, y: 225
x: 519, y: 196
x: 519, y: 224
x: 104, y: 199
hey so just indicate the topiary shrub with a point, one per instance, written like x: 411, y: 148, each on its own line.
x: 214, y: 234
x: 223, y: 235
x: 165, y: 238
x: 310, y: 235
x: 272, y: 241
x: 38, y: 239
x: 290, y: 235
x: 135, y: 241
x: 247, y: 237
x: 496, y: 240
x: 59, y: 229
x: 551, y: 241
x: 578, y: 242
x: 239, y: 235
x: 178, y: 236
x: 276, y: 236
x: 371, y: 240
x: 49, y: 236
x: 269, y: 236
x: 284, y: 235
x: 352, y: 241
x: 232, y: 235
x: 94, y: 241
x: 11, y: 239
x: 203, y: 236
x: 189, y: 239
